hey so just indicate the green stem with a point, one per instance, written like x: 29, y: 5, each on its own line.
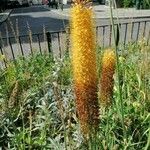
x: 148, y: 142
x: 23, y: 126
x: 118, y: 74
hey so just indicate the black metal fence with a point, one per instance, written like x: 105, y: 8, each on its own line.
x: 128, y: 32
x: 58, y: 42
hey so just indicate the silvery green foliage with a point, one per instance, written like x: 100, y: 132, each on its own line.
x: 44, y: 119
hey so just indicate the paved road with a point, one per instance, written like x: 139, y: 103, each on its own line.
x: 37, y: 17
x: 34, y: 17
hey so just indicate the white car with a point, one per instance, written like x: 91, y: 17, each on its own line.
x: 37, y: 2
x: 24, y: 2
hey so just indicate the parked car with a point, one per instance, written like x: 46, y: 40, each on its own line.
x: 12, y: 3
x: 37, y: 2
x: 45, y: 2
x: 24, y: 2
x: 50, y: 3
x: 15, y: 3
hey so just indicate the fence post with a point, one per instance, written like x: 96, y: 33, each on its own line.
x: 5, y: 56
x: 67, y: 39
x: 138, y: 30
x: 49, y: 41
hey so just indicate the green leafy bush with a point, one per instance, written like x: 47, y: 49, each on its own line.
x: 146, y: 4
x: 128, y: 3
x: 44, y: 117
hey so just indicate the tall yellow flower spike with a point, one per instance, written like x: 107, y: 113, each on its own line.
x: 107, y: 81
x: 84, y: 66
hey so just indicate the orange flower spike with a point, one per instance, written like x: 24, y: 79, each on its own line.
x: 84, y: 66
x: 107, y: 81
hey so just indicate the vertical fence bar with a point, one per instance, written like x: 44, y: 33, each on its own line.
x: 96, y: 35
x: 148, y: 37
x: 144, y: 28
x: 5, y: 56
x: 11, y: 49
x: 117, y: 40
x: 67, y: 39
x: 59, y: 44
x: 132, y: 30
x: 21, y: 46
x: 110, y: 35
x: 137, y: 37
x: 30, y: 43
x: 49, y: 41
x: 39, y: 43
x: 103, y: 35
x: 125, y: 34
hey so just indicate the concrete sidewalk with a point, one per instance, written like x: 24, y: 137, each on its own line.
x: 4, y: 15
x: 103, y: 12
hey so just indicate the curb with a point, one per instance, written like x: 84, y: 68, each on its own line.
x: 59, y: 13
x: 126, y: 17
x: 140, y: 17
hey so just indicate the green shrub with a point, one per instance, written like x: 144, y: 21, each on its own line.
x: 45, y: 117
x: 128, y: 3
x: 146, y: 4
